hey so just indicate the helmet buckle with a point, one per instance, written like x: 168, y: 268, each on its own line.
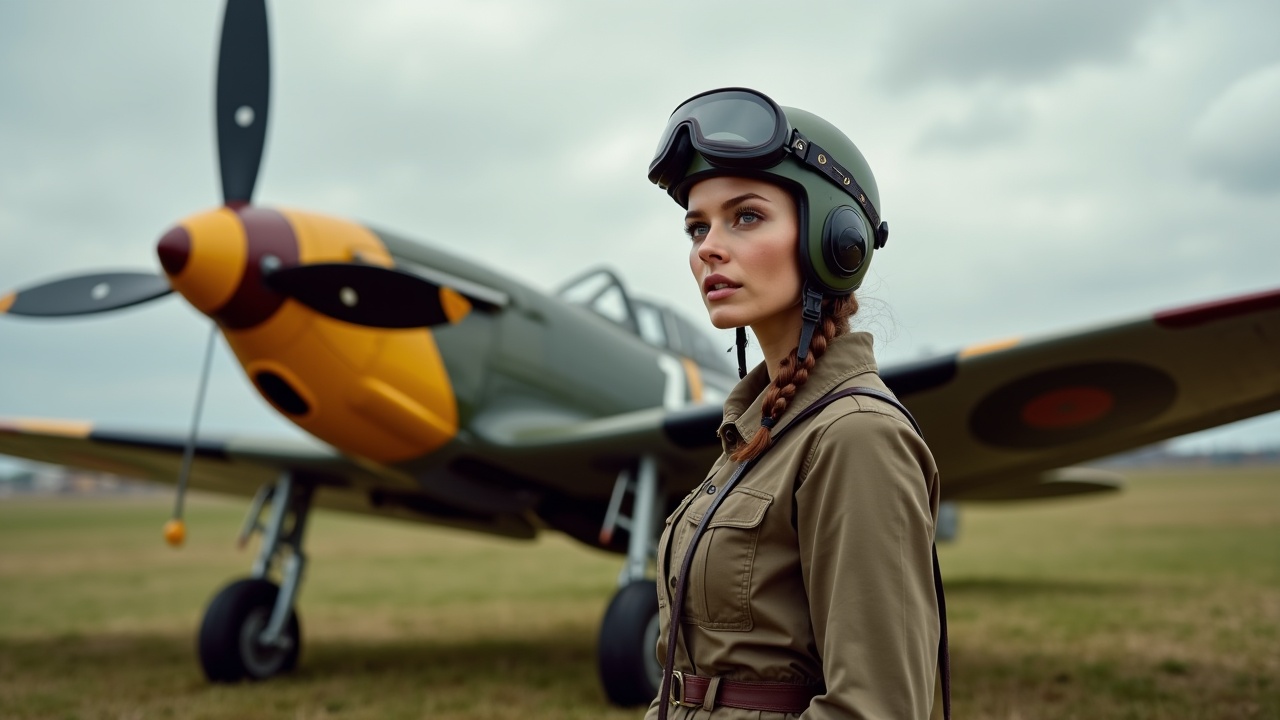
x: 812, y: 314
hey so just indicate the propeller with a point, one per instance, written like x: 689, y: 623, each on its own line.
x: 244, y: 82
x: 85, y: 294
x: 367, y: 295
x: 240, y: 114
x: 370, y: 295
x: 244, y: 79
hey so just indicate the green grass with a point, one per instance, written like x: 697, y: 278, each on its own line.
x: 1163, y: 602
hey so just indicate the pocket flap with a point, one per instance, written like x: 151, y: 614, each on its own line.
x: 743, y: 508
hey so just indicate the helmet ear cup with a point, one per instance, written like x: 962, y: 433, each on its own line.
x: 844, y: 241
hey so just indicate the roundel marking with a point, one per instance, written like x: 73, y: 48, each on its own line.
x: 1071, y: 403
x: 1067, y: 407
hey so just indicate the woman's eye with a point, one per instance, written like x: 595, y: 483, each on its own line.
x: 697, y: 232
x: 747, y: 217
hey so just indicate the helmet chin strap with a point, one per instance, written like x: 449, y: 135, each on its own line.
x: 812, y: 316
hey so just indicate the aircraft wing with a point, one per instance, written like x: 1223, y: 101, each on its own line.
x: 1005, y: 420
x: 684, y: 442
x: 239, y: 466
x: 1001, y: 417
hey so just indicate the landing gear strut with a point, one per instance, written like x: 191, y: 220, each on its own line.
x: 250, y: 629
x: 627, y: 648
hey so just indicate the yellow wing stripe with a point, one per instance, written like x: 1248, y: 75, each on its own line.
x: 66, y: 428
x: 694, y: 376
x: 988, y: 347
x: 455, y: 306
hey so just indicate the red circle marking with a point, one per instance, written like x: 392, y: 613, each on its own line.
x: 1067, y: 407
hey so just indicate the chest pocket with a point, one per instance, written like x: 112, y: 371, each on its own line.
x: 719, y: 595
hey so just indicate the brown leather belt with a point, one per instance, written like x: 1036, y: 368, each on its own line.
x: 695, y: 691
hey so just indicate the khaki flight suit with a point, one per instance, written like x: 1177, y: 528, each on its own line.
x: 818, y: 566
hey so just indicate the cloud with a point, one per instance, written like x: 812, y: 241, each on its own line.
x: 987, y: 122
x: 1010, y: 40
x: 1236, y: 140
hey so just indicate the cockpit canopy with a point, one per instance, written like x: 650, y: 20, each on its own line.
x: 601, y: 291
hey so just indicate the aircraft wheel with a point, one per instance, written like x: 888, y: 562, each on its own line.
x: 627, y: 652
x: 228, y: 644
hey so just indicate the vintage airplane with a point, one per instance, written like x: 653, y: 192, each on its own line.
x: 447, y: 393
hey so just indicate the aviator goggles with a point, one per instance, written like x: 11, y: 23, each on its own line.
x: 741, y: 129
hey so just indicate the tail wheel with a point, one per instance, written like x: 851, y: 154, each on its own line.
x: 229, y: 644
x: 627, y: 651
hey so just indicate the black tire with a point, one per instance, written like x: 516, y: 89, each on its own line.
x: 627, y: 651
x: 228, y: 644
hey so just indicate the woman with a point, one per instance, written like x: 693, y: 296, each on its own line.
x: 810, y: 591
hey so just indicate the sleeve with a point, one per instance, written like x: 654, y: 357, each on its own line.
x: 865, y: 514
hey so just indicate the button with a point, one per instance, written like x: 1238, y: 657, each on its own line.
x: 711, y: 489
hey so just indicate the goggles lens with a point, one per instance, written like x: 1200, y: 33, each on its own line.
x: 732, y: 120
x: 726, y: 126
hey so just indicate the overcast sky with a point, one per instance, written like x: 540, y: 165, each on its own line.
x: 1044, y: 165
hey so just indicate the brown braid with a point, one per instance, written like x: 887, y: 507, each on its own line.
x: 835, y: 322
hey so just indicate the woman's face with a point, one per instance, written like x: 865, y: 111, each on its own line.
x: 743, y: 258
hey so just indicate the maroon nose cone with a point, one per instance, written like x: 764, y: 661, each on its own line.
x: 174, y: 249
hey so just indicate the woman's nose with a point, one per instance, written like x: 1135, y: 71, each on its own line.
x: 712, y: 248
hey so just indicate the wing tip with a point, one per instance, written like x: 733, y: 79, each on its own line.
x: 1201, y: 313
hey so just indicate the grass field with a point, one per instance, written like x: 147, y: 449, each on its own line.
x: 1163, y: 602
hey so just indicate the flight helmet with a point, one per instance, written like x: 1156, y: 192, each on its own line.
x: 742, y: 132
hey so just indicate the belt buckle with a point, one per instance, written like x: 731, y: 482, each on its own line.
x: 677, y: 690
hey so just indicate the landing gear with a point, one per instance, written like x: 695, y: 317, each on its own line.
x: 626, y: 653
x: 231, y: 647
x: 250, y: 629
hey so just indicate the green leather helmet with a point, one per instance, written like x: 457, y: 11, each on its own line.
x: 741, y: 132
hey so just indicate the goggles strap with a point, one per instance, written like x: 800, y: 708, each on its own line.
x: 812, y: 315
x: 814, y: 156
x: 742, y: 352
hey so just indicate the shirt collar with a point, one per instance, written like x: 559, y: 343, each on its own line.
x: 847, y: 356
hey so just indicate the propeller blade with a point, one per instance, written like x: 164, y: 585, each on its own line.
x: 244, y: 81
x: 85, y: 294
x: 370, y: 295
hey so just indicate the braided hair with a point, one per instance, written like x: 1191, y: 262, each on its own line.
x: 791, y: 375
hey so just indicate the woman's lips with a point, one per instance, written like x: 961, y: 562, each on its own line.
x: 721, y: 294
x: 719, y: 287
